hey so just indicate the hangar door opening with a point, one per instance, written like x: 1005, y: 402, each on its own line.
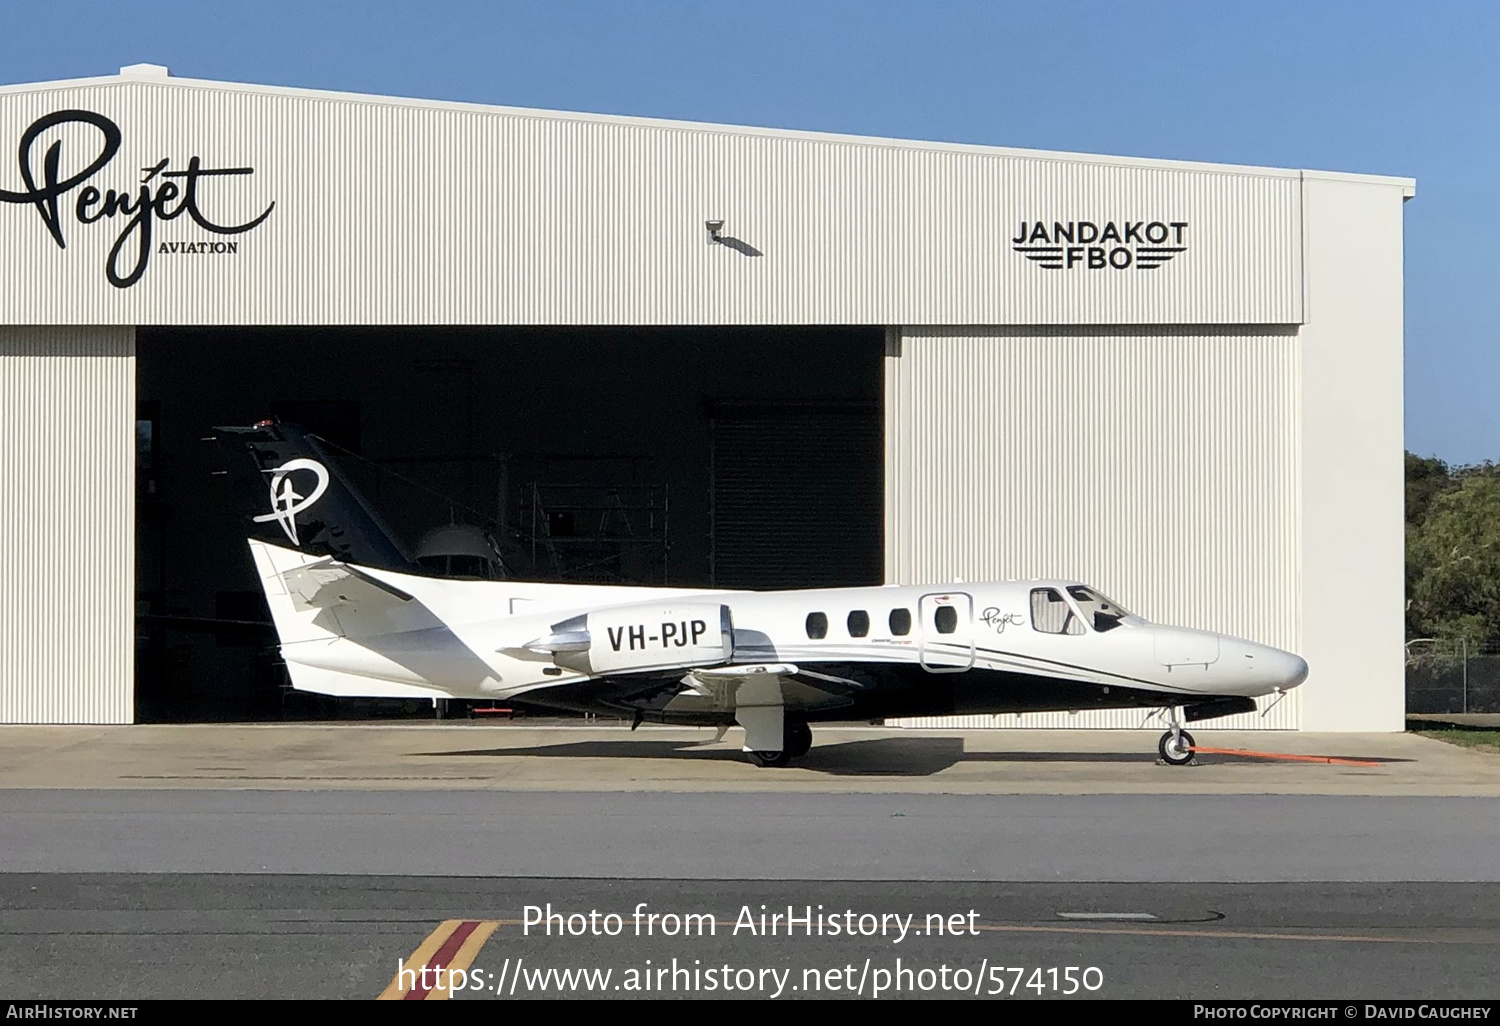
x: 792, y: 490
x: 687, y: 457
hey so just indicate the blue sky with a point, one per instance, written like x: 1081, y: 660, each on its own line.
x: 1386, y: 88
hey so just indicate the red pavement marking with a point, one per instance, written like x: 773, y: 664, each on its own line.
x: 442, y: 958
x: 1329, y: 759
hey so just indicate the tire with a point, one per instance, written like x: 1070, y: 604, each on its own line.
x: 770, y: 758
x: 1173, y: 755
x: 798, y: 738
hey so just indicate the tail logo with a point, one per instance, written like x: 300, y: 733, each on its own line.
x: 285, y: 502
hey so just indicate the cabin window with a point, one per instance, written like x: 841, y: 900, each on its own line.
x: 1051, y: 614
x: 945, y: 619
x: 859, y: 623
x: 817, y: 626
x: 1103, y: 613
x: 900, y: 621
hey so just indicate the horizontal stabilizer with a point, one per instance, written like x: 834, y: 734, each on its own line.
x: 326, y: 584
x: 318, y: 599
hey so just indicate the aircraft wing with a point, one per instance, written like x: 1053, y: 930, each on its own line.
x: 735, y: 674
x: 763, y: 694
x: 715, y: 680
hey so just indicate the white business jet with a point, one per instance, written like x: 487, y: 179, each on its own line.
x: 356, y: 617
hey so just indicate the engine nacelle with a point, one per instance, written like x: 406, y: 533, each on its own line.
x: 650, y: 636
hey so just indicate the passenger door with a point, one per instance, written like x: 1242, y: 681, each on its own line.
x: 946, y: 641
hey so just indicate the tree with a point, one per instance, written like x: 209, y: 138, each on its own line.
x: 1426, y: 478
x: 1453, y: 552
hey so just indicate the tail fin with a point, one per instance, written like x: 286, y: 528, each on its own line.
x: 332, y: 619
x: 294, y: 496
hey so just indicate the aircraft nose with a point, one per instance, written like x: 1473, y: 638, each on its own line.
x: 1262, y: 668
x: 1279, y: 669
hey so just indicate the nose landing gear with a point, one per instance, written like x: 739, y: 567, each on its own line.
x: 1176, y: 745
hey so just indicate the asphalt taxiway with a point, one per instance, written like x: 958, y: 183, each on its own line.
x: 175, y: 936
x: 823, y: 836
x: 467, y: 756
x: 310, y: 860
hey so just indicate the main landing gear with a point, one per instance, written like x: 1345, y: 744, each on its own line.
x: 796, y: 742
x: 1176, y: 745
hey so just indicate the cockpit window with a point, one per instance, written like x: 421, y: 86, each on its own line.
x: 1051, y: 614
x: 1103, y: 613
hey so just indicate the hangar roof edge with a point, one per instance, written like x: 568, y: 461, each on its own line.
x: 1407, y: 185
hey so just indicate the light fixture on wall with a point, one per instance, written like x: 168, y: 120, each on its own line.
x: 715, y: 229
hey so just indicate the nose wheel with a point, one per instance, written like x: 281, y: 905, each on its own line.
x: 1176, y: 747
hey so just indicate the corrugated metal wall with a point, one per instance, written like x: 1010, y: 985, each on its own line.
x: 1160, y: 465
x: 397, y: 212
x: 67, y: 559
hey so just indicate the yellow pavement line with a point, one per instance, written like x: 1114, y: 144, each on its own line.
x: 397, y: 989
x: 408, y: 983
x: 463, y: 958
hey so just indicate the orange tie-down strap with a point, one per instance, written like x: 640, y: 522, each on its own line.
x: 1283, y: 756
x: 451, y: 948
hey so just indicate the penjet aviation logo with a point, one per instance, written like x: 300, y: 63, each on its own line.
x: 285, y: 502
x: 1113, y: 245
x: 992, y: 617
x: 164, y: 193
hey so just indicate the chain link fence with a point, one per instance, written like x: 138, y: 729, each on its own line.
x: 1444, y: 676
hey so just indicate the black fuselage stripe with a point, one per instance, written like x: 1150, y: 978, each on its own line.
x: 853, y: 653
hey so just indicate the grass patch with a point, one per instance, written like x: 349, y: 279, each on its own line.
x: 1483, y: 739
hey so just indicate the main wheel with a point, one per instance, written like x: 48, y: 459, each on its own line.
x: 1176, y: 751
x: 798, y: 738
x: 771, y: 758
